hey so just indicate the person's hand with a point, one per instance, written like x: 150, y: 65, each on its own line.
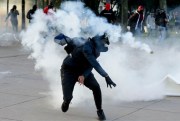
x: 109, y: 82
x: 81, y: 80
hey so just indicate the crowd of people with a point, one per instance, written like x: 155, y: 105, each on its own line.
x: 13, y: 14
x: 157, y: 22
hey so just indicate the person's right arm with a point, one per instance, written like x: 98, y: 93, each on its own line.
x: 7, y: 16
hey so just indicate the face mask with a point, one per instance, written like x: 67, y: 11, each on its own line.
x: 102, y: 48
x: 101, y: 43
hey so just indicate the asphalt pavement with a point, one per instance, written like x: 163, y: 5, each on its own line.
x: 22, y: 97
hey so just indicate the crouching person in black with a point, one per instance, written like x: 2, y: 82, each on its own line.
x: 77, y: 67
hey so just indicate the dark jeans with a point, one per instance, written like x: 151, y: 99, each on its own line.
x: 70, y: 76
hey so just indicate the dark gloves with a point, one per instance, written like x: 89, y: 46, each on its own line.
x: 109, y: 82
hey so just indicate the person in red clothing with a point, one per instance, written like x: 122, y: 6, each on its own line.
x: 46, y: 9
x: 108, y: 13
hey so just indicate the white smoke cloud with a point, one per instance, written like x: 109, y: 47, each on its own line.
x: 8, y: 39
x: 138, y: 74
x: 128, y: 38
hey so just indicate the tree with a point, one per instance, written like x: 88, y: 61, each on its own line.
x: 124, y: 12
x: 7, y: 12
x: 43, y: 3
x: 93, y: 5
x: 7, y: 6
x: 57, y: 3
x: 47, y: 2
x: 23, y: 14
x: 163, y: 4
x: 36, y: 2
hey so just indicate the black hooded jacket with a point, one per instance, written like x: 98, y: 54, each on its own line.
x: 83, y: 60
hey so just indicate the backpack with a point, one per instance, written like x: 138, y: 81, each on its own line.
x: 28, y: 16
x: 69, y: 43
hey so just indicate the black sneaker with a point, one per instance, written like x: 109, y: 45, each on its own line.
x: 101, y: 115
x: 65, y: 106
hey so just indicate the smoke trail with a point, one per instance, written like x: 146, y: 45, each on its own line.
x: 8, y: 39
x: 137, y: 74
x: 130, y: 40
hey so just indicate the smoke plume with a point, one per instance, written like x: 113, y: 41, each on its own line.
x: 138, y: 74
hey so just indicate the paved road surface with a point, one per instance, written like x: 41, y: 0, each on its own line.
x: 22, y: 98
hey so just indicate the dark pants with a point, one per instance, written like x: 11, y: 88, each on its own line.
x: 69, y: 77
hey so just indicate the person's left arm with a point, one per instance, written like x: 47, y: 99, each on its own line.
x: 88, y: 53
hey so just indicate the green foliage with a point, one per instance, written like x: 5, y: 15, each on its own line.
x: 57, y: 3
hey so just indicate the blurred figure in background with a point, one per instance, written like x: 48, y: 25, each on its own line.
x: 161, y: 22
x: 151, y: 26
x: 136, y: 21
x: 14, y: 21
x: 31, y: 13
x: 48, y: 9
x: 108, y: 13
x: 177, y: 22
